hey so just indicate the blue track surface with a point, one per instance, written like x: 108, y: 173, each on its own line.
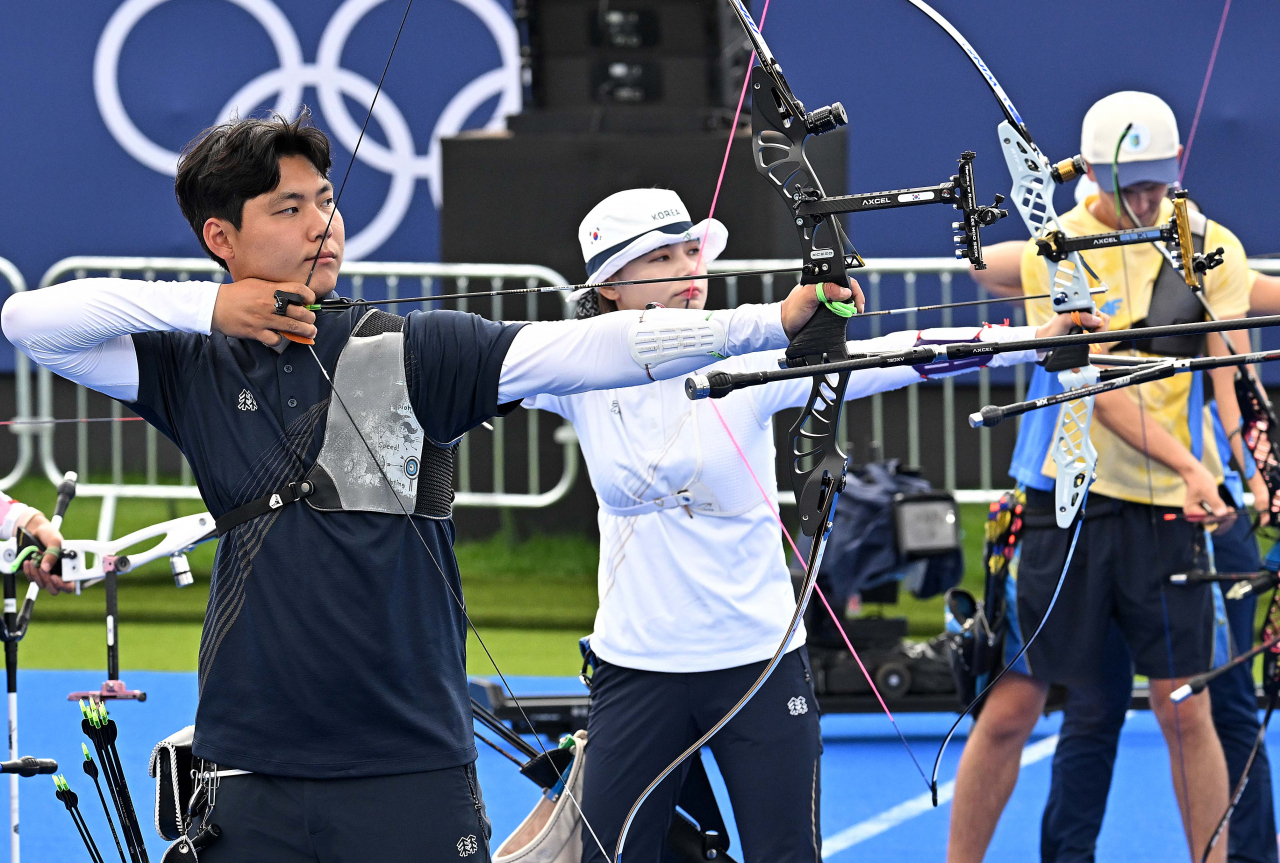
x: 874, y: 804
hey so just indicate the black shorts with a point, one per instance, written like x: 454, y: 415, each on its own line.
x: 436, y: 815
x: 1120, y: 570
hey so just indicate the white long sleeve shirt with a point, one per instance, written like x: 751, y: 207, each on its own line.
x: 701, y: 583
x: 83, y: 331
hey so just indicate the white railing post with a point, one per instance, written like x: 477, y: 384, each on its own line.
x: 21, y: 391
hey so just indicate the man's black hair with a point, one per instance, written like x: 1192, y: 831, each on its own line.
x: 227, y: 165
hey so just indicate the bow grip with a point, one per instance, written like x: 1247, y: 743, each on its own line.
x: 823, y: 337
x: 25, y: 538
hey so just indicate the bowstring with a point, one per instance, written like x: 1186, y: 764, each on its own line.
x: 462, y: 606
x: 818, y: 589
x: 733, y: 130
x: 1204, y: 89
x: 359, y: 140
x: 334, y: 390
x: 1122, y: 209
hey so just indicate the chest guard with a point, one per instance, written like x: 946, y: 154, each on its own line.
x: 1172, y: 302
x: 372, y: 378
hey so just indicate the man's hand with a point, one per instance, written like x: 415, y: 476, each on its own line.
x: 802, y: 302
x: 246, y: 310
x: 41, y: 572
x: 1202, y: 498
x: 1060, y: 325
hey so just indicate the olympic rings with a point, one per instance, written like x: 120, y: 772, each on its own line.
x: 398, y: 157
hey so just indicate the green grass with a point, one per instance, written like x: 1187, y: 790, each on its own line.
x: 532, y: 599
x: 173, y: 647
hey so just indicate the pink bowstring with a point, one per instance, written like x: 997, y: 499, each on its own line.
x: 818, y: 590
x: 733, y: 129
x: 1204, y: 88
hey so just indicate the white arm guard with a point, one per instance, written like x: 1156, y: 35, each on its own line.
x: 661, y: 335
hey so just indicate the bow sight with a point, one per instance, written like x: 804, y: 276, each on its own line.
x: 1056, y: 246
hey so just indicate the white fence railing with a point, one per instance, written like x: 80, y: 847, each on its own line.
x: 414, y: 279
x: 24, y: 431
x: 395, y: 279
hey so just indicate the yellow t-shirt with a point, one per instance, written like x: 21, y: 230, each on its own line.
x: 1123, y: 470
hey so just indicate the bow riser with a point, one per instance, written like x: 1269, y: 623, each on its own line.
x: 1032, y: 192
x: 1033, y: 196
x: 1258, y: 421
x: 1073, y: 451
x: 815, y: 440
x: 778, y: 141
x: 814, y: 435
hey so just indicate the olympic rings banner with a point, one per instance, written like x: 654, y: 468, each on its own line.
x: 99, y: 97
x: 108, y: 104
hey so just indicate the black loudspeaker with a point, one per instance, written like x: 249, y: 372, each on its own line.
x: 629, y: 65
x: 518, y: 199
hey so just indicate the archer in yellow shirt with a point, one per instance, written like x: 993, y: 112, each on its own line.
x: 1129, y: 273
x: 1110, y: 570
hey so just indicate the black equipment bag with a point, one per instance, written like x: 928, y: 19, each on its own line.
x: 890, y: 525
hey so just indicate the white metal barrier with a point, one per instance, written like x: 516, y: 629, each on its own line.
x: 22, y: 391
x: 421, y: 278
x: 424, y: 276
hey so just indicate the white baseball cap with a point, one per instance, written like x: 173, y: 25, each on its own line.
x: 632, y: 223
x: 1149, y: 152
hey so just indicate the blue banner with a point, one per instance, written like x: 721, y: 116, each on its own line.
x: 101, y: 97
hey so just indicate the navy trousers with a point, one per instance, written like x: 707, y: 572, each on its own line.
x: 429, y: 817
x: 1094, y: 715
x: 769, y: 756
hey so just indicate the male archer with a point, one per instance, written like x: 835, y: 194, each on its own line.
x: 332, y: 663
x: 1158, y: 472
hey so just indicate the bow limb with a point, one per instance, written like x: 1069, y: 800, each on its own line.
x: 806, y: 591
x: 1033, y: 177
x: 1271, y: 687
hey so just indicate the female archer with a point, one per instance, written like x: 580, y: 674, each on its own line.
x: 694, y: 589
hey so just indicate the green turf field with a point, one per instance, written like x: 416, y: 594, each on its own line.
x: 173, y: 647
x: 532, y: 599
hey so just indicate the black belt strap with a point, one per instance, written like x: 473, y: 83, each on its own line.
x: 292, y: 493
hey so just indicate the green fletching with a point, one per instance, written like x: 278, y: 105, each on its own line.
x: 87, y: 756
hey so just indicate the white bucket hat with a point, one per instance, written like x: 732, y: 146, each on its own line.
x: 629, y: 224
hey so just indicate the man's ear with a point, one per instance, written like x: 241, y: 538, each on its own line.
x: 1088, y: 169
x: 218, y: 238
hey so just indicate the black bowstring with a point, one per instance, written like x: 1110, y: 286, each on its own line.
x: 359, y: 140
x: 334, y: 390
x: 1122, y: 209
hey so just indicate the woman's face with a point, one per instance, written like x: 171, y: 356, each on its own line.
x: 679, y: 261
